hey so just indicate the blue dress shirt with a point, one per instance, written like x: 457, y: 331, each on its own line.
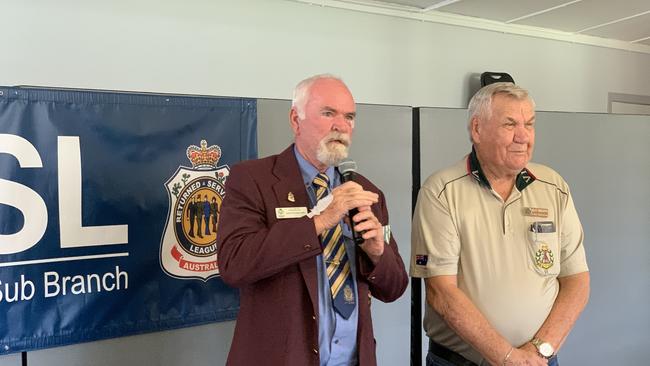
x: 337, y: 336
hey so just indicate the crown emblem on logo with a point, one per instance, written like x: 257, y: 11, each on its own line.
x: 204, y: 157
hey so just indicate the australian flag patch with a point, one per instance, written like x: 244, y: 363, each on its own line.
x: 421, y: 259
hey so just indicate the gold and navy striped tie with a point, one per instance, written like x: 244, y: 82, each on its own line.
x: 336, y: 259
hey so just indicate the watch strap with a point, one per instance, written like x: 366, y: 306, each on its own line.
x: 538, y: 344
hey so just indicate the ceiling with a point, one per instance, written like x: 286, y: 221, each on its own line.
x: 618, y: 24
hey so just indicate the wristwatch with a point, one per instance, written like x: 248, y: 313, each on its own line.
x: 543, y: 348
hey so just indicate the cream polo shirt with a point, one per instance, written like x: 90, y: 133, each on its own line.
x: 507, y: 256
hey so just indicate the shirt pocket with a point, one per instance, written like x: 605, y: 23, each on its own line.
x: 543, y: 248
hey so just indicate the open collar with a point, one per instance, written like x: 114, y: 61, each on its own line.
x: 523, y: 180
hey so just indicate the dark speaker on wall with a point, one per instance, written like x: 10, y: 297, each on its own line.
x: 490, y: 77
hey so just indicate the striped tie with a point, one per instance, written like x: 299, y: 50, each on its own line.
x: 336, y: 259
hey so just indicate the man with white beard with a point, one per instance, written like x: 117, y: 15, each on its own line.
x: 305, y: 287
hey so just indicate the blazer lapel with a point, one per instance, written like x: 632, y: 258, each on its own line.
x: 289, y: 184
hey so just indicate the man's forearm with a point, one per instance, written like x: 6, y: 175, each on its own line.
x: 458, y: 311
x: 570, y: 301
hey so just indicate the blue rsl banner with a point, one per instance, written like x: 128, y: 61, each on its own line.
x: 109, y: 205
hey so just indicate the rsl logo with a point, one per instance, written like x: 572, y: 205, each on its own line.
x: 188, y: 248
x: 544, y: 257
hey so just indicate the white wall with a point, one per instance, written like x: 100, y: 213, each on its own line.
x: 261, y: 48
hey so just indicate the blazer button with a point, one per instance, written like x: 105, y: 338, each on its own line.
x: 313, y: 317
x: 372, y: 278
x: 315, y: 350
x: 307, y: 246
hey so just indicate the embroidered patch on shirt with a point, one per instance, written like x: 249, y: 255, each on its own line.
x: 421, y: 259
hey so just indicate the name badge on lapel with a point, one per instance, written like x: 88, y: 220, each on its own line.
x: 290, y: 212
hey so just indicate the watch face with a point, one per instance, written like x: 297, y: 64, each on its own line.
x: 546, y: 349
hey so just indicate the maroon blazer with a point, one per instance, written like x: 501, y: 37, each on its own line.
x: 273, y: 263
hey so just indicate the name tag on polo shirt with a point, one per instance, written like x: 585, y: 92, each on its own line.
x: 536, y: 211
x: 290, y: 212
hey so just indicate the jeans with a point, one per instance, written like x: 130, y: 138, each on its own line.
x: 433, y: 360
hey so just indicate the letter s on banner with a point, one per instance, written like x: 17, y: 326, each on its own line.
x: 22, y: 197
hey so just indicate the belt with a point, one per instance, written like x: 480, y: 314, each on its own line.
x: 449, y: 355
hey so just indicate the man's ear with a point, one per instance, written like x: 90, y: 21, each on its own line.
x: 475, y: 130
x: 294, y: 120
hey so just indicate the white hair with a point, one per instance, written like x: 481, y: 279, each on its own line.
x: 301, y: 92
x: 480, y: 106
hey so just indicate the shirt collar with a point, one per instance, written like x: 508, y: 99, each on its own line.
x: 309, y: 172
x: 523, y: 180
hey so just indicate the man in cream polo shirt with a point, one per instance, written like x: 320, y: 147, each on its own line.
x: 499, y: 243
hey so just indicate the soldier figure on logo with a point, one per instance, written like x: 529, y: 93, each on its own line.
x: 206, y: 214
x: 191, y: 213
x: 199, y: 216
x: 214, y: 208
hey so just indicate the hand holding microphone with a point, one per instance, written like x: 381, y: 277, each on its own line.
x: 350, y: 198
x: 349, y: 195
x: 367, y: 231
x: 347, y: 168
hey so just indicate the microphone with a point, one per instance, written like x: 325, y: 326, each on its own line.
x: 347, y: 169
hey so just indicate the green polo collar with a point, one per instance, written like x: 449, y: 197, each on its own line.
x: 524, y: 178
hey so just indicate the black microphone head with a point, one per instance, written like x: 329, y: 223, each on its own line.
x: 347, y: 166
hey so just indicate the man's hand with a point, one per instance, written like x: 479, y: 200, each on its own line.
x: 526, y: 355
x: 365, y: 221
x: 347, y: 196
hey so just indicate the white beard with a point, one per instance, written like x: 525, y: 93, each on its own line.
x: 331, y: 153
